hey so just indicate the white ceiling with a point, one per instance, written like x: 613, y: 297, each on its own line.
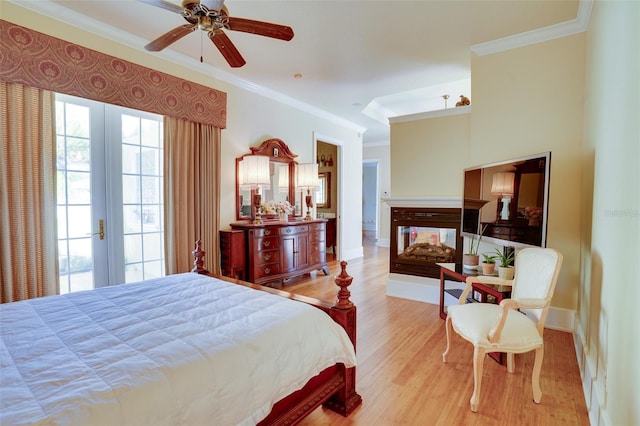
x: 386, y: 58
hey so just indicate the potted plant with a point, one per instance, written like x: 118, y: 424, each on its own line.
x: 488, y: 264
x: 505, y: 268
x: 470, y: 259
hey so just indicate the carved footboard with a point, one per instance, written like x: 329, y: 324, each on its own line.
x: 335, y: 387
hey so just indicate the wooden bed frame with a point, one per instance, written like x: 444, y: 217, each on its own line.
x: 334, y: 387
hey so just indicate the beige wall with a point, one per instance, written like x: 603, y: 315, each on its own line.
x: 427, y: 156
x: 607, y: 329
x: 527, y: 101
x: 251, y: 118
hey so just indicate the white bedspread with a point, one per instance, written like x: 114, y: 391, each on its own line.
x: 184, y: 349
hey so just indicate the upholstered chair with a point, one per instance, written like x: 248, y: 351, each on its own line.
x: 516, y: 325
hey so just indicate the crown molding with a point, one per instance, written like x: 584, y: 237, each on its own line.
x: 551, y: 32
x: 60, y: 13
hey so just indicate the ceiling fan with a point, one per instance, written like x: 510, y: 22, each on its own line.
x: 214, y: 19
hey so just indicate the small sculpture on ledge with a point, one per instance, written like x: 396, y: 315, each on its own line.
x: 463, y: 101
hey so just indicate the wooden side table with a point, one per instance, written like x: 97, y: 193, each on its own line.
x: 482, y: 293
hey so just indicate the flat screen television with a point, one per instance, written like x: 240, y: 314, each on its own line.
x: 508, y: 201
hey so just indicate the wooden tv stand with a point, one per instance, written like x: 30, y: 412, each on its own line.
x: 276, y: 251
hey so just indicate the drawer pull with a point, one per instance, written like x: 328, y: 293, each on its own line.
x: 267, y: 232
x: 267, y: 270
x: 266, y: 257
x: 288, y: 230
x: 266, y: 243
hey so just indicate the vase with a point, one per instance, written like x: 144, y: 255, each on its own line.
x: 488, y: 268
x: 506, y: 272
x: 284, y: 217
x: 470, y: 261
x: 534, y: 221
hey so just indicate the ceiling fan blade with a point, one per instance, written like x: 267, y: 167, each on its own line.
x: 171, y: 37
x: 281, y: 32
x: 226, y: 47
x: 164, y: 5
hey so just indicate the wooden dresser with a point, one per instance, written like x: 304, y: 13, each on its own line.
x: 274, y: 251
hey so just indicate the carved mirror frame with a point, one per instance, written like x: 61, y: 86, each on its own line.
x: 279, y: 154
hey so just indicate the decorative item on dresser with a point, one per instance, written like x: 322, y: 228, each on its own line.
x: 276, y: 251
x: 275, y: 184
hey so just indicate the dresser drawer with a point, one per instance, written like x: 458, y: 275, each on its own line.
x: 316, y: 258
x: 317, y: 226
x: 266, y: 270
x: 265, y: 232
x: 291, y: 230
x: 267, y: 243
x: 267, y: 256
x: 316, y: 236
x: 316, y: 248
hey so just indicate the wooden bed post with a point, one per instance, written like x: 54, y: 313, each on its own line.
x: 198, y: 261
x: 344, y: 313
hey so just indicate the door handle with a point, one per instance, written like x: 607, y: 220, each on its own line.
x: 100, y: 229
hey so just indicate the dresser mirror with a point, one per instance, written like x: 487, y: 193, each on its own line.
x: 281, y: 184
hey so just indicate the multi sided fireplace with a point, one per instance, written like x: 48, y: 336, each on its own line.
x: 422, y: 237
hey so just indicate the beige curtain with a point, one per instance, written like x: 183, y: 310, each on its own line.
x: 28, y: 252
x: 191, y: 193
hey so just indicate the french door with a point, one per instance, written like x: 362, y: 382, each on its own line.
x: 109, y: 194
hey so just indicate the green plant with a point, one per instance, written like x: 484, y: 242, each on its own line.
x: 506, y: 259
x: 489, y: 258
x: 474, y: 244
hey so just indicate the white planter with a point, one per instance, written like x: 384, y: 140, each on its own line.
x: 506, y: 272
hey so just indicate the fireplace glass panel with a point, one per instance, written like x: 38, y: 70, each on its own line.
x: 423, y: 237
x: 426, y: 244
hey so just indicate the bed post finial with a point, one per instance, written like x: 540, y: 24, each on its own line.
x: 198, y: 262
x: 343, y: 281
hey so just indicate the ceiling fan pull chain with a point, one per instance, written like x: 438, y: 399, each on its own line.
x: 201, y: 47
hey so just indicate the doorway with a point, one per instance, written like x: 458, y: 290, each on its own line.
x: 327, y: 206
x: 370, y: 201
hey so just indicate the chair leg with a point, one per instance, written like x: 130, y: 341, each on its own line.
x: 447, y: 326
x: 535, y: 379
x: 478, y: 361
x: 511, y: 366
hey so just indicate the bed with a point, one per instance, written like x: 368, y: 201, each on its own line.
x: 183, y: 349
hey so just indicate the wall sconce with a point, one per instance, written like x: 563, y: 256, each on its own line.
x: 254, y: 173
x: 502, y: 187
x: 308, y: 179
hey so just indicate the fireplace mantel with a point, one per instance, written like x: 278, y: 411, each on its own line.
x: 445, y: 202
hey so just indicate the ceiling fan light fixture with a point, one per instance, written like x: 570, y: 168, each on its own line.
x: 213, y: 20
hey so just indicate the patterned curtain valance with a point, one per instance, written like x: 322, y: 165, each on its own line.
x: 38, y: 60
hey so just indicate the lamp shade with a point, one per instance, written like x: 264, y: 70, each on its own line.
x: 308, y: 175
x: 502, y: 184
x: 254, y: 171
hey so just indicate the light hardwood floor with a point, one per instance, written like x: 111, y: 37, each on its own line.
x: 401, y: 376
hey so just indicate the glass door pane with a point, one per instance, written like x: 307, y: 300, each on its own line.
x: 142, y: 196
x: 76, y: 176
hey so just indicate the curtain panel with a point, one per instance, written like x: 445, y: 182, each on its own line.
x: 191, y: 193
x: 28, y: 248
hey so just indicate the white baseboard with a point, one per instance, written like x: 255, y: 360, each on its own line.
x: 424, y: 289
x: 352, y: 254
x: 383, y: 242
